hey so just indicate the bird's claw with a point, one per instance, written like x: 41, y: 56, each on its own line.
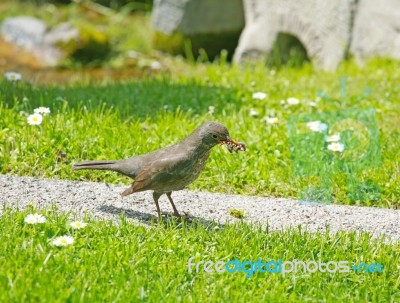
x: 177, y: 215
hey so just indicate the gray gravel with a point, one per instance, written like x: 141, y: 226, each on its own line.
x: 103, y: 201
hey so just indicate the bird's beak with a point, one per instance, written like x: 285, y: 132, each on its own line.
x: 233, y: 145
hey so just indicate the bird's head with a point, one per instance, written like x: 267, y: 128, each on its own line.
x: 213, y: 133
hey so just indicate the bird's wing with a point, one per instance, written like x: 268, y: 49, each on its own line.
x: 161, y: 172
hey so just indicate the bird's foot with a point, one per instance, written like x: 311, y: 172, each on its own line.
x: 176, y: 214
x: 185, y: 217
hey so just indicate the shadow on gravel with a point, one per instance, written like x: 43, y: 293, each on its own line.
x: 167, y: 217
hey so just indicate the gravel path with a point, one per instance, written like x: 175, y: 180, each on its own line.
x: 104, y: 202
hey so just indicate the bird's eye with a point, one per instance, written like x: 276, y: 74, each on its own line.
x: 215, y: 136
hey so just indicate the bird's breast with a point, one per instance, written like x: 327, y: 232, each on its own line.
x: 193, y: 170
x: 200, y: 162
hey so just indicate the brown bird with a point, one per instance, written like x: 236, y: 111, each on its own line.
x: 170, y: 168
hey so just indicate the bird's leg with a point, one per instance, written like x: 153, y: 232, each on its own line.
x: 176, y: 213
x: 157, y: 196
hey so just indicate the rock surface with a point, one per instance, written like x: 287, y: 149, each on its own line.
x: 209, y: 24
x: 323, y: 27
x: 84, y: 44
x: 33, y: 36
x: 27, y: 32
x: 376, y: 30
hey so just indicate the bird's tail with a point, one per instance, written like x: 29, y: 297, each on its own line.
x: 101, y: 164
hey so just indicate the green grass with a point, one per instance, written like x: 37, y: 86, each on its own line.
x: 115, y: 120
x: 237, y: 213
x: 127, y: 263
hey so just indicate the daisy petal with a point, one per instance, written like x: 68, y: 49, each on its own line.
x: 63, y: 241
x: 78, y: 224
x: 336, y: 147
x: 35, y: 119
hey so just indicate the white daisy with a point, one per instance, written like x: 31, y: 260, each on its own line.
x: 253, y: 113
x: 211, y: 109
x: 272, y: 120
x: 63, y: 241
x: 312, y: 104
x: 11, y: 76
x: 332, y: 138
x: 293, y: 101
x: 42, y: 110
x: 78, y: 224
x: 317, y: 126
x: 34, y: 219
x: 35, y: 119
x: 336, y: 147
x: 155, y: 65
x: 259, y: 96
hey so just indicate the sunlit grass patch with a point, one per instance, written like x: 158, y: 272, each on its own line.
x: 116, y: 120
x: 122, y: 262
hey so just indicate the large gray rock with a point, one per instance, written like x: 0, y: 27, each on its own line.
x: 209, y: 24
x: 376, y: 30
x: 31, y: 34
x: 27, y: 32
x: 323, y: 27
x: 50, y: 46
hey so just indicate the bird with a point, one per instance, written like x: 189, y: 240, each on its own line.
x: 170, y: 168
